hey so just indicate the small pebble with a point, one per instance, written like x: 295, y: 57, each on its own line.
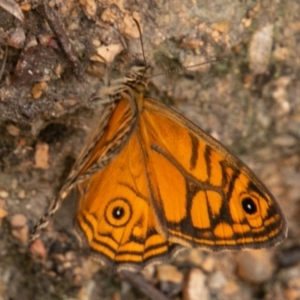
x: 192, y: 256
x: 292, y: 290
x: 128, y: 27
x: 222, y: 26
x: 255, y: 266
x: 25, y: 6
x: 38, y: 89
x: 230, y: 288
x: 19, y: 228
x: 3, y: 194
x: 16, y: 38
x: 281, y: 53
x: 217, y: 281
x: 170, y: 279
x: 13, y: 130
x: 108, y: 53
x: 260, y: 49
x: 208, y: 264
x: 21, y: 194
x: 148, y: 272
x: 45, y: 38
x: 89, y: 7
x: 86, y: 292
x: 41, y: 156
x: 70, y: 256
x: 169, y: 273
x: 195, y: 287
x: 89, y: 267
x: 37, y: 249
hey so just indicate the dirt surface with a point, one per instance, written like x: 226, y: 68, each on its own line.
x: 249, y: 100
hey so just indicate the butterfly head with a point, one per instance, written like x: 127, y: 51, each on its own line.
x: 136, y: 78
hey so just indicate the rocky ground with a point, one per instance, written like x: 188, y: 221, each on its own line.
x: 249, y: 99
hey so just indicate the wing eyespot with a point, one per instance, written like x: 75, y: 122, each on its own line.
x: 249, y: 206
x: 118, y: 212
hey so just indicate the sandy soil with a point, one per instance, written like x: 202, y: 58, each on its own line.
x: 249, y: 100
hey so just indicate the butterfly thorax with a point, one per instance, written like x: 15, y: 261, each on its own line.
x: 135, y: 78
x: 132, y: 87
x: 134, y: 84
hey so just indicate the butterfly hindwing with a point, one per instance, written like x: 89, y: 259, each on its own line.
x: 114, y: 211
x: 208, y: 197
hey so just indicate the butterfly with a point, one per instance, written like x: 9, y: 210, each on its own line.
x: 151, y: 183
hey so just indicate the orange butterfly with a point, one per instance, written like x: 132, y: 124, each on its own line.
x: 151, y: 182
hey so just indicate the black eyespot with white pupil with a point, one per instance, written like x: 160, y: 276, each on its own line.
x: 118, y: 213
x: 249, y: 206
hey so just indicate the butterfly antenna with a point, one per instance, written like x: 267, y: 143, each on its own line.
x: 142, y: 43
x: 176, y: 70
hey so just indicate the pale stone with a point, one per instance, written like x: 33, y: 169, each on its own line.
x: 195, y: 286
x: 255, y: 266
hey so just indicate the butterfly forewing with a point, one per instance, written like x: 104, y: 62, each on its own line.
x: 204, y: 195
